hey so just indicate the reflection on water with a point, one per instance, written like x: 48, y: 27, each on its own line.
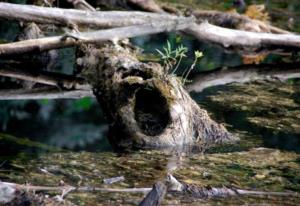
x: 267, y: 109
x: 264, y: 114
x: 69, y: 124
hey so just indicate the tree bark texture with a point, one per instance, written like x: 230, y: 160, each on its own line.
x: 146, y: 107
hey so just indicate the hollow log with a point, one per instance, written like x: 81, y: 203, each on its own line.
x: 145, y: 107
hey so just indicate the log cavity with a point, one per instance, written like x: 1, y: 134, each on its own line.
x: 135, y: 72
x: 151, y: 111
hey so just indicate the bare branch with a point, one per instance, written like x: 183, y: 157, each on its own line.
x: 82, y: 5
x: 235, y: 20
x: 243, y: 74
x: 83, y: 189
x: 243, y: 39
x: 155, y: 23
x: 48, y: 43
x: 69, y: 17
x: 43, y: 93
x: 49, y: 78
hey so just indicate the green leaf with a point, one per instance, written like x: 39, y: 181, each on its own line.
x: 169, y: 46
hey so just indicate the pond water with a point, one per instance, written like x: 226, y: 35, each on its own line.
x: 48, y: 141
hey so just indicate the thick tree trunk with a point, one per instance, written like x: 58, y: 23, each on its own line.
x: 145, y: 106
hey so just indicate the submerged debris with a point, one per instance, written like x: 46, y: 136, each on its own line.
x: 113, y: 180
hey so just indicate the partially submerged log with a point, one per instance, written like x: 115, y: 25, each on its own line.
x: 145, y: 106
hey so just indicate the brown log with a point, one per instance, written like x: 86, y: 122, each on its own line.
x: 145, y: 106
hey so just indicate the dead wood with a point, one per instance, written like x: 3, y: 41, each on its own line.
x: 200, y: 82
x: 245, y: 40
x: 145, y: 106
x: 71, y: 17
x: 146, y: 5
x: 242, y: 74
x: 61, y: 81
x: 204, y: 31
x: 214, y: 192
x: 235, y: 21
x: 43, y: 93
x: 75, y: 39
x: 71, y: 188
x: 82, y: 5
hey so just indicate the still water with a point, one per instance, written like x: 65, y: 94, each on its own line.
x: 67, y: 138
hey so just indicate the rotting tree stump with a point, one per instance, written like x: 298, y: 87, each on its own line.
x: 144, y: 105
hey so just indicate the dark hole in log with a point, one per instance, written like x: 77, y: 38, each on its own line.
x: 151, y: 111
x: 138, y: 73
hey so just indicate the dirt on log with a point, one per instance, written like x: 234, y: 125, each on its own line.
x: 144, y: 105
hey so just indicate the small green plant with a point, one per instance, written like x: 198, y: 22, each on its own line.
x: 198, y: 55
x: 172, y: 59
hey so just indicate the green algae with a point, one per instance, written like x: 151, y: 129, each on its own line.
x: 267, y: 108
x: 246, y: 164
x: 256, y: 169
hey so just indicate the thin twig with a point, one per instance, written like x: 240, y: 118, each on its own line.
x: 82, y: 5
x: 82, y: 189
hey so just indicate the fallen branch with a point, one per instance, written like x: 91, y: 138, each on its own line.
x: 235, y: 21
x: 202, y: 81
x: 70, y: 17
x: 43, y: 93
x: 80, y: 189
x: 204, y: 31
x: 249, y: 41
x: 212, y: 192
x: 68, y: 40
x: 82, y: 5
x: 59, y: 80
x: 242, y: 74
x: 146, y: 5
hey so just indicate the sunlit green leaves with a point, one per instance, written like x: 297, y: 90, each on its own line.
x: 172, y: 57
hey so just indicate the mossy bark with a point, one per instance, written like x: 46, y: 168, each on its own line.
x: 144, y: 105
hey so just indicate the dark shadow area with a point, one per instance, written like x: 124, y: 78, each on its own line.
x: 151, y: 111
